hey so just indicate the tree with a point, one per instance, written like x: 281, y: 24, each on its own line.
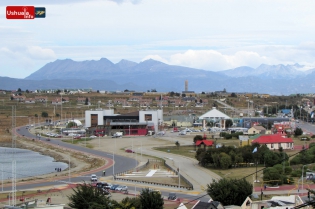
x: 19, y: 90
x: 127, y: 203
x: 151, y: 199
x: 233, y: 95
x: 71, y: 124
x: 86, y: 101
x: 228, y: 123
x: 177, y: 144
x: 298, y: 131
x: 44, y: 114
x: 86, y: 196
x: 272, y: 176
x: 27, y: 91
x: 230, y: 191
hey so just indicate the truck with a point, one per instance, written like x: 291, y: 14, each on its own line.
x: 117, y: 135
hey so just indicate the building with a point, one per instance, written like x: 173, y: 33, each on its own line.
x: 275, y: 141
x: 135, y: 123
x: 256, y: 130
x: 215, y: 115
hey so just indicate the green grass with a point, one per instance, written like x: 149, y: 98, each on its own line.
x: 188, y: 151
x: 77, y: 141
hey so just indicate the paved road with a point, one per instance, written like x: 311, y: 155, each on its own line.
x: 121, y: 163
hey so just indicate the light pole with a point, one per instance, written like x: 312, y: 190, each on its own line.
x: 2, y: 176
x: 113, y: 155
x: 69, y: 170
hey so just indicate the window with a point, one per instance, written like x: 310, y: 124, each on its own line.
x: 271, y: 145
x: 288, y: 145
x: 279, y: 145
x: 148, y: 117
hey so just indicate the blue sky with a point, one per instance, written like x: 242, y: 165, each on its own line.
x: 206, y: 34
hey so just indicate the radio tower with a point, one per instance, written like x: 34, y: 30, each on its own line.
x: 13, y: 156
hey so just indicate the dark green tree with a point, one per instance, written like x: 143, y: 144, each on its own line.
x: 44, y: 114
x: 272, y: 176
x: 230, y: 191
x: 298, y: 131
x: 177, y: 144
x: 86, y: 101
x: 151, y: 199
x: 86, y: 196
x: 127, y: 203
x: 71, y: 124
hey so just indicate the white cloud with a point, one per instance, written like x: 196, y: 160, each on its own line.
x: 215, y: 61
x: 37, y: 52
x: 155, y: 57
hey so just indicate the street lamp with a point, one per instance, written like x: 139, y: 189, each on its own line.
x: 113, y: 155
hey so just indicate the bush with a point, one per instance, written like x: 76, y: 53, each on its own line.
x: 304, y: 138
x: 296, y: 173
x: 228, y: 136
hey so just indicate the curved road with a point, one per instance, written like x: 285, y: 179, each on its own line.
x: 121, y: 163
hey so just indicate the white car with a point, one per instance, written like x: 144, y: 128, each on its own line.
x: 93, y: 177
x: 92, y: 137
x: 121, y: 188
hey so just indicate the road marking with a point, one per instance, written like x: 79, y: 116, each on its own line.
x: 151, y: 173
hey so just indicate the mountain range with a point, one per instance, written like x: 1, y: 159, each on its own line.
x: 151, y: 74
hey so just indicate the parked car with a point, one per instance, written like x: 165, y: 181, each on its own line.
x: 108, y: 186
x: 93, y: 177
x: 47, y: 139
x: 92, y: 137
x: 129, y: 151
x: 77, y: 137
x: 101, y: 184
x: 113, y: 187
x: 121, y: 188
x: 172, y: 196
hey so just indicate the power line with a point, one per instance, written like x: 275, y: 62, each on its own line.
x: 253, y: 174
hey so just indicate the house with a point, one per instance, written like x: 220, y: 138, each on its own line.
x: 56, y: 101
x: 40, y: 99
x: 275, y: 141
x: 82, y: 100
x: 29, y: 100
x: 205, y: 143
x: 18, y: 98
x: 256, y: 130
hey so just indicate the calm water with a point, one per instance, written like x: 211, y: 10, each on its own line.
x: 28, y: 163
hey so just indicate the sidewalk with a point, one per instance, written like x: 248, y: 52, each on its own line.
x: 285, y: 189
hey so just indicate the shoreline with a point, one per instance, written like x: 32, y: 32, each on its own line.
x: 79, y: 163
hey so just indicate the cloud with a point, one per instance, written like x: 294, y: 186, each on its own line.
x: 155, y: 57
x: 216, y: 61
x: 37, y: 52
x: 122, y: 1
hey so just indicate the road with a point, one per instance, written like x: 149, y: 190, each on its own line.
x: 121, y: 163
x: 187, y: 166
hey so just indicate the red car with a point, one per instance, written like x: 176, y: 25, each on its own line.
x: 129, y: 151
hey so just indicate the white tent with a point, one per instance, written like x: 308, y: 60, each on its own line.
x: 214, y: 115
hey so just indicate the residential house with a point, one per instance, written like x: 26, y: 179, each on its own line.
x: 56, y: 101
x: 40, y: 99
x: 256, y: 130
x: 18, y: 98
x: 29, y: 100
x: 82, y: 100
x: 275, y: 141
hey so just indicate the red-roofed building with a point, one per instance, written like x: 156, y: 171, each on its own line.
x: 275, y: 141
x: 206, y: 143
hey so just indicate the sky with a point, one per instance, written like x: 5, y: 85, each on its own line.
x: 212, y: 35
